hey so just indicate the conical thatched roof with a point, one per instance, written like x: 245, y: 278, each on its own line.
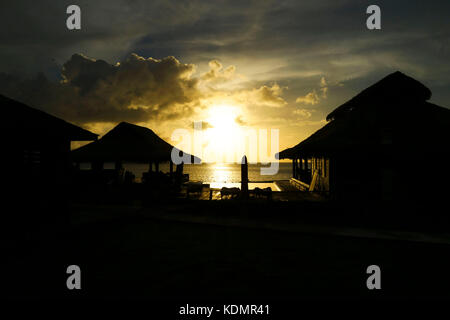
x: 18, y: 118
x: 394, y: 110
x: 396, y: 87
x: 128, y: 143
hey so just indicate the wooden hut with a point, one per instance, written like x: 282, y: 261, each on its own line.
x: 386, y: 143
x: 36, y: 144
x: 36, y: 164
x: 129, y: 143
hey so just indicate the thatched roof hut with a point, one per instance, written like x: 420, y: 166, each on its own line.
x: 36, y: 163
x: 388, y: 142
x: 127, y: 143
x: 20, y: 119
x: 395, y: 108
x: 394, y: 88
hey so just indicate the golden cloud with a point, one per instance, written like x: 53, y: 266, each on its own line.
x: 217, y: 73
x: 266, y: 96
x: 311, y: 98
x: 136, y: 90
x: 303, y: 114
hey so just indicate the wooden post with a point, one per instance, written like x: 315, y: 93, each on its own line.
x: 156, y: 166
x: 171, y: 168
x: 179, y: 172
x: 302, y: 168
x: 294, y: 171
x: 244, y: 177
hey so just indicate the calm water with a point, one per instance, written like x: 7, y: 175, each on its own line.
x: 219, y: 173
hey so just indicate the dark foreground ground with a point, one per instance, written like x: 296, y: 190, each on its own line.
x: 142, y: 256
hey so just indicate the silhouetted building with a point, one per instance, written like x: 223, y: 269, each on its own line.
x: 129, y: 143
x: 36, y: 163
x: 386, y: 143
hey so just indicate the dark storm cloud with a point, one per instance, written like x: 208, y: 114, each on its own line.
x: 296, y: 31
x: 292, y: 25
x: 34, y: 37
x: 291, y: 43
x: 325, y: 36
x: 295, y: 43
x: 137, y: 89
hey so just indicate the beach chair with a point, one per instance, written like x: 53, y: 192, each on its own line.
x: 193, y: 187
x: 232, y: 192
x: 266, y: 192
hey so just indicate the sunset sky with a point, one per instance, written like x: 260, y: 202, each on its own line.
x: 232, y: 64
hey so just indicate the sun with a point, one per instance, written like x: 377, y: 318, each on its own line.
x: 222, y: 118
x: 223, y: 132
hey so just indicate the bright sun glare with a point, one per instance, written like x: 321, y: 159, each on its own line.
x: 223, y: 132
x: 223, y: 118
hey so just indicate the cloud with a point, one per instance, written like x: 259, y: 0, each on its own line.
x: 93, y: 92
x: 323, y: 87
x: 240, y: 121
x: 136, y: 89
x: 269, y: 96
x: 311, y: 98
x: 217, y: 73
x: 303, y: 114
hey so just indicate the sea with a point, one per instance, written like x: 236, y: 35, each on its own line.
x: 219, y: 173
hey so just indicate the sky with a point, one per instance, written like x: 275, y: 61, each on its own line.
x: 256, y: 65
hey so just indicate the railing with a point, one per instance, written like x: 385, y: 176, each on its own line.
x: 299, y: 184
